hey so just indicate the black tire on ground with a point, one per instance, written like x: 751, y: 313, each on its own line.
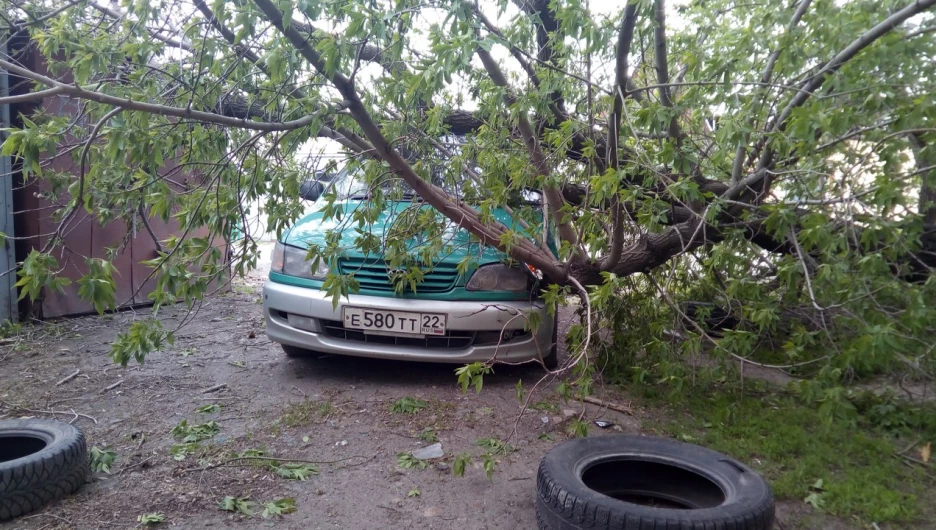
x: 645, y: 483
x: 40, y: 461
x: 294, y: 351
x: 551, y: 360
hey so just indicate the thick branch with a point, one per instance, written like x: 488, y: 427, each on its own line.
x: 518, y: 54
x: 662, y: 65
x: 553, y: 197
x: 153, y: 108
x: 646, y: 253
x: 625, y: 37
x: 545, y: 28
x: 30, y: 97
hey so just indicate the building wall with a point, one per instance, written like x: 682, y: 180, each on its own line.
x: 34, y: 219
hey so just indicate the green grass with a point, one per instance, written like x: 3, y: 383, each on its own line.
x: 793, y: 448
x: 305, y: 412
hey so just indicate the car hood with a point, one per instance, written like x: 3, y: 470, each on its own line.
x: 313, y: 228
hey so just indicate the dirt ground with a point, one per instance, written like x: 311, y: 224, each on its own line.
x: 347, y: 420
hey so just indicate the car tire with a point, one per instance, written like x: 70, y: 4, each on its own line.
x: 646, y: 483
x: 40, y: 461
x: 551, y: 360
x: 295, y: 352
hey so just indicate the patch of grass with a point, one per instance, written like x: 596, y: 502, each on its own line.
x: 326, y: 409
x: 494, y: 445
x: 545, y: 406
x: 408, y: 405
x: 307, y: 411
x: 838, y: 467
x: 244, y: 289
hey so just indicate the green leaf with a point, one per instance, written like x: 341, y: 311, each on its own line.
x: 278, y: 507
x: 143, y: 337
x: 102, y: 459
x: 472, y: 375
x: 462, y: 460
x: 489, y: 464
x: 408, y: 461
x: 295, y: 471
x: 151, y: 518
x: 98, y: 286
x: 242, y: 505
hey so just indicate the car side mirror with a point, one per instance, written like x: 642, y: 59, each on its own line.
x: 532, y: 196
x: 311, y: 190
x: 314, y: 187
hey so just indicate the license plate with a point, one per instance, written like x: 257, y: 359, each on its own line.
x: 378, y: 320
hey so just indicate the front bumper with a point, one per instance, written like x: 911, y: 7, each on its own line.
x: 304, y: 318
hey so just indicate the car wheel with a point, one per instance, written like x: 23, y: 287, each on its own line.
x: 551, y: 360
x: 40, y: 461
x: 294, y: 351
x: 646, y: 483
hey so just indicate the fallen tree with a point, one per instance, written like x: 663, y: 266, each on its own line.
x: 764, y: 158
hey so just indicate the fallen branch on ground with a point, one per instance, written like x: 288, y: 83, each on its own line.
x: 51, y: 412
x: 625, y: 409
x: 69, y: 378
x: 230, y: 461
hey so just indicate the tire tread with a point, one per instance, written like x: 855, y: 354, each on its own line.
x: 44, y: 477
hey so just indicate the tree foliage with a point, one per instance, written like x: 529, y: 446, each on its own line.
x: 755, y: 181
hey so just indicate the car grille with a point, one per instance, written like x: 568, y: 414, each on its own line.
x: 375, y: 275
x: 453, y: 339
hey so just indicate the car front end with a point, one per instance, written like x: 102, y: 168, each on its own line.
x: 469, y: 305
x: 450, y: 317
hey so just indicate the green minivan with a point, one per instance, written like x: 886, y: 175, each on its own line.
x: 453, y: 315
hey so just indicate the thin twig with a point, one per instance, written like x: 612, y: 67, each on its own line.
x: 69, y: 378
x: 113, y: 386
x: 138, y: 464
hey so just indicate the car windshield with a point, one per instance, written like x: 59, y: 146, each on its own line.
x: 350, y: 184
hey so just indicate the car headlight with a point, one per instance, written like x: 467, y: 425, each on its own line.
x: 498, y: 277
x: 292, y: 261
